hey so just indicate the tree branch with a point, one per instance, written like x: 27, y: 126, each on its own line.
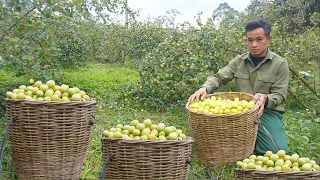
x: 296, y: 98
x: 304, y: 82
x: 15, y: 24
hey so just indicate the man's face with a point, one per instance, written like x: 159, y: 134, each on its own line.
x: 257, y: 42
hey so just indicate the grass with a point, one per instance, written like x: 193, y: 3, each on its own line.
x: 105, y: 82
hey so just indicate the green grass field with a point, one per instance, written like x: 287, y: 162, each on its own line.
x: 105, y: 82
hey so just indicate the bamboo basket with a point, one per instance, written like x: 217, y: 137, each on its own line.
x: 146, y: 159
x: 224, y: 138
x: 49, y: 140
x: 270, y: 175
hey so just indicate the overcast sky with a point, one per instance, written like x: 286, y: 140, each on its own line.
x: 187, y: 8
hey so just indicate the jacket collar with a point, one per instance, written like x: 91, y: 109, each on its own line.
x: 268, y: 55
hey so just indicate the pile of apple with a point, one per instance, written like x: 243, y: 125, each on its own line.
x: 214, y: 105
x: 48, y: 91
x: 278, y: 162
x: 144, y: 131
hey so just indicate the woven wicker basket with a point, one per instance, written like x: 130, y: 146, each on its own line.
x: 256, y: 174
x: 145, y: 159
x: 224, y: 138
x: 49, y: 140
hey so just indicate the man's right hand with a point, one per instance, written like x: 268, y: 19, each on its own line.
x: 201, y: 93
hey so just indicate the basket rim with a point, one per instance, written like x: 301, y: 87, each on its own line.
x: 133, y: 141
x: 224, y: 115
x: 264, y: 172
x: 90, y: 102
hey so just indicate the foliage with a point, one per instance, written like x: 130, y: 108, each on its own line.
x: 8, y: 81
x: 302, y: 129
x: 40, y: 37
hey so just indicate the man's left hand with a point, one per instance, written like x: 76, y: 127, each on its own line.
x: 261, y: 99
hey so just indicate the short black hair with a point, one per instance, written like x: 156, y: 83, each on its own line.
x: 258, y: 23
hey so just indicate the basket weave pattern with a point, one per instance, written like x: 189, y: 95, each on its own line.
x: 224, y: 138
x: 146, y: 159
x: 49, y: 140
x: 256, y: 174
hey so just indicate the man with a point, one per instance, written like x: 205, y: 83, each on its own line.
x: 263, y: 74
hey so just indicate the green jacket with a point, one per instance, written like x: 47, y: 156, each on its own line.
x: 270, y: 77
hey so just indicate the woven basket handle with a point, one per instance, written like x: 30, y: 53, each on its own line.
x: 194, y: 129
x: 3, y: 144
x: 105, y: 163
x: 91, y: 122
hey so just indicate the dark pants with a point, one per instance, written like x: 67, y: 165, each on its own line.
x: 272, y: 121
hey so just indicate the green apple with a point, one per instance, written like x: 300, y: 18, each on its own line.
x: 86, y: 97
x: 65, y: 99
x: 56, y: 88
x: 47, y: 98
x: 131, y: 128
x: 64, y: 88
x: 147, y: 122
x: 8, y: 94
x: 23, y: 87
x: 239, y: 164
x: 306, y: 167
x: 302, y: 161
x: 71, y: 92
x: 134, y: 123
x: 145, y: 131
x: 274, y: 157
x: 161, y: 127
x: 144, y: 137
x: 49, y: 93
x: 136, y: 138
x: 136, y: 132
x: 281, y: 153
x: 173, y: 136
x: 43, y: 87
x: 253, y: 157
x: 65, y: 94
x: 183, y: 136
x: 152, y: 136
x: 21, y: 95
x: 294, y: 158
x: 37, y: 84
x: 50, y: 83
x: 31, y: 81
x: 279, y: 162
x: 251, y: 165
x: 55, y: 98
x: 140, y: 126
x: 268, y: 154
x: 105, y: 133
x: 76, y: 97
x: 270, y: 163
x: 168, y: 130
x: 117, y: 134
x: 119, y: 126
x: 153, y: 126
x: 126, y: 127
x: 110, y: 135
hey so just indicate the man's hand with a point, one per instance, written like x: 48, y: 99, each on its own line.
x: 261, y: 99
x: 201, y: 93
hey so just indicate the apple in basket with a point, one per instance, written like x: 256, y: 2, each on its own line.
x: 145, y: 130
x: 48, y: 91
x: 217, y: 105
x: 279, y: 161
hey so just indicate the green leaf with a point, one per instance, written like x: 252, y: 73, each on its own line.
x: 26, y: 58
